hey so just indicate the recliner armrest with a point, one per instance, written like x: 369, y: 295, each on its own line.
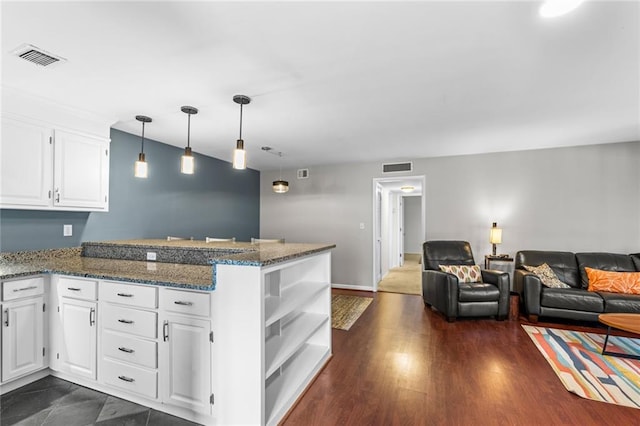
x: 501, y: 280
x: 531, y: 290
x: 440, y: 289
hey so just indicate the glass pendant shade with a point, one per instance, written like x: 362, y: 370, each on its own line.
x: 280, y: 186
x: 140, y: 167
x: 240, y: 156
x: 187, y: 163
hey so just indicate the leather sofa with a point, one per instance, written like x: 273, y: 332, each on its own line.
x: 575, y: 302
x: 444, y: 292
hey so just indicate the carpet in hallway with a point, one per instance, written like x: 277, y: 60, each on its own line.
x: 406, y: 279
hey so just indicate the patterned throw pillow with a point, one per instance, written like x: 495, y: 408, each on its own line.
x: 546, y: 275
x: 614, y: 282
x: 465, y: 273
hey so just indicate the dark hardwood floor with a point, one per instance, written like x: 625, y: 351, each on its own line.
x: 402, y: 364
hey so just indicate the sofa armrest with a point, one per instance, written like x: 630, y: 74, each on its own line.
x: 531, y: 290
x: 501, y: 280
x: 440, y: 290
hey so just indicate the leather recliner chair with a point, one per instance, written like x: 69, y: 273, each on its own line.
x: 452, y: 298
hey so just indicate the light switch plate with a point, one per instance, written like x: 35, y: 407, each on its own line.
x: 67, y: 230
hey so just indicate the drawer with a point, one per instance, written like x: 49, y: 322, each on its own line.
x: 130, y: 349
x: 127, y: 320
x: 77, y: 288
x: 127, y: 294
x: 22, y: 288
x: 185, y: 302
x: 129, y: 378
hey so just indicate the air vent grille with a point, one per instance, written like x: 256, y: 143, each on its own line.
x: 36, y: 55
x: 397, y: 167
x: 303, y: 173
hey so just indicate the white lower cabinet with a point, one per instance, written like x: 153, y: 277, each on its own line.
x: 79, y: 336
x: 185, y: 362
x: 22, y: 329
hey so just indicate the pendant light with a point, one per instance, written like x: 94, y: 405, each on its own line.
x: 187, y: 162
x: 239, y: 154
x: 280, y: 186
x: 140, y: 167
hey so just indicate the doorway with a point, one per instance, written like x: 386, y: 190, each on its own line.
x: 389, y: 236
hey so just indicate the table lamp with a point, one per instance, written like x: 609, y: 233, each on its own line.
x: 495, y: 237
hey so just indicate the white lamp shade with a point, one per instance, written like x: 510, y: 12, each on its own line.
x: 239, y: 159
x: 187, y: 164
x: 280, y: 186
x: 140, y: 169
x: 495, y: 237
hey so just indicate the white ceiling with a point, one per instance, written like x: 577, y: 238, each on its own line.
x: 335, y: 82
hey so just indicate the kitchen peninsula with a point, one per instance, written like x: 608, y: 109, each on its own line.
x: 218, y: 333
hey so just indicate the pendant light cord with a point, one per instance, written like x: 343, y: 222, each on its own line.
x: 240, y: 121
x: 188, y: 130
x: 142, y: 148
x: 280, y: 155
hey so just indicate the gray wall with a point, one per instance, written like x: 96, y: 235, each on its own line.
x: 576, y: 199
x: 216, y: 201
x: 412, y: 223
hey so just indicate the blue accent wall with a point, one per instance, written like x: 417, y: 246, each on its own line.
x: 216, y: 201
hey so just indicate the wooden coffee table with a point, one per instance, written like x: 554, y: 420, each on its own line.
x: 626, y: 322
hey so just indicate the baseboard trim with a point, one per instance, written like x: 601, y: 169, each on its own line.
x: 352, y: 287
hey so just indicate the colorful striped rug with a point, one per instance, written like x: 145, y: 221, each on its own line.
x: 575, y: 357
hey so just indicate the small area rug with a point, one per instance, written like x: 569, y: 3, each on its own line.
x: 575, y: 357
x: 345, y: 310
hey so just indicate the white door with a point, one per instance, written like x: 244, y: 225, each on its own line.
x: 22, y: 337
x: 81, y: 165
x: 79, y: 342
x: 25, y: 164
x: 185, y: 362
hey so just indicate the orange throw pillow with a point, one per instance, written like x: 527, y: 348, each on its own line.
x: 614, y: 282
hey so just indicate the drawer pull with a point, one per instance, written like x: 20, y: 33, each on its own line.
x: 92, y: 317
x: 126, y: 379
x: 125, y: 295
x: 33, y: 287
x: 74, y: 288
x: 180, y: 302
x: 127, y: 350
x: 125, y: 321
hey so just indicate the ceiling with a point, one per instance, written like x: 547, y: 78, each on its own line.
x: 336, y: 82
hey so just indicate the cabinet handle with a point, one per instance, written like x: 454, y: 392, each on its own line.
x: 179, y: 302
x: 92, y: 316
x: 57, y: 195
x: 6, y: 321
x: 127, y: 350
x: 165, y: 331
x: 126, y: 379
x: 125, y: 321
x: 15, y: 290
x: 125, y: 295
x: 74, y: 288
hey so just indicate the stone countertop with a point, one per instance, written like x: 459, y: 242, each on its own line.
x: 219, y: 252
x: 201, y: 277
x: 69, y: 262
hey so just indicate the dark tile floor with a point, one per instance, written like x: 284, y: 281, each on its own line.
x: 53, y: 401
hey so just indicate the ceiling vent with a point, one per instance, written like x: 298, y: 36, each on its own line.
x: 37, y: 56
x: 397, y: 167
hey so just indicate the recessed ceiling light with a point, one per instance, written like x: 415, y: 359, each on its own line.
x: 553, y: 8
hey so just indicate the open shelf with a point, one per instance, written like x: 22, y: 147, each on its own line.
x: 290, y: 299
x: 281, y: 392
x: 294, y: 335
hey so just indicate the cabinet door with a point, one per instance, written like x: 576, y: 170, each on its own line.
x: 185, y: 363
x: 22, y: 337
x: 25, y: 164
x: 79, y: 342
x: 81, y: 165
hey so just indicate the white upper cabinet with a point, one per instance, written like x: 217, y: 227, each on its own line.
x: 26, y: 152
x: 81, y: 171
x: 52, y: 157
